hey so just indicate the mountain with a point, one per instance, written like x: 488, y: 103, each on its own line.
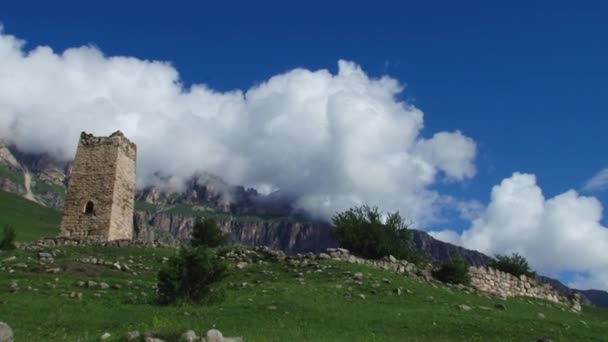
x: 168, y: 214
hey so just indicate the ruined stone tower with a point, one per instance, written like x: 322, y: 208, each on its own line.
x: 100, y: 196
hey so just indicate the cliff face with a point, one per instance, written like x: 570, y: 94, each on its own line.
x: 439, y: 251
x: 288, y: 235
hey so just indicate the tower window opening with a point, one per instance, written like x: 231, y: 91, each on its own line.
x: 89, y: 209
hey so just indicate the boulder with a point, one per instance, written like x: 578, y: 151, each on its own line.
x: 6, y: 333
x: 188, y: 336
x: 214, y: 335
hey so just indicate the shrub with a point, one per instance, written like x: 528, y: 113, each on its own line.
x: 189, y: 275
x: 8, y: 238
x: 514, y: 264
x: 454, y: 272
x: 362, y: 231
x: 206, y: 233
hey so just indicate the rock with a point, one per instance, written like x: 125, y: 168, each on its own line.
x: 241, y: 265
x: 153, y: 339
x: 45, y: 255
x: 9, y: 259
x: 116, y: 266
x: 116, y: 286
x: 104, y: 286
x: 484, y: 308
x: 361, y: 295
x: 392, y: 258
x: 14, y: 287
x: 271, y: 307
x: 358, y: 276
x: 91, y: 284
x: 386, y: 281
x: 464, y: 307
x: 6, y: 333
x: 132, y: 336
x: 324, y: 256
x: 583, y: 323
x: 500, y: 306
x: 214, y: 335
x: 397, y: 291
x: 188, y: 336
x: 105, y: 336
x: 540, y: 315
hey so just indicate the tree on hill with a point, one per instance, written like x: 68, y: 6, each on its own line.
x: 454, y: 272
x: 207, y: 233
x: 515, y: 264
x: 8, y: 238
x: 189, y: 276
x: 362, y: 230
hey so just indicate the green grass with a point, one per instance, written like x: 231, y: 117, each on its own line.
x: 274, y: 306
x: 16, y: 176
x: 40, y: 187
x: 30, y: 220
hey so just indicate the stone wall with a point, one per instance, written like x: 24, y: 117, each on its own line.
x: 103, y: 174
x: 489, y: 280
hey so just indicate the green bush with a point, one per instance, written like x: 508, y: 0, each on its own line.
x: 8, y: 238
x: 362, y: 231
x: 189, y: 275
x: 454, y: 272
x: 514, y: 264
x: 206, y: 233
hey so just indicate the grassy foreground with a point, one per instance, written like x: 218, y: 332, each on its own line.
x: 267, y: 302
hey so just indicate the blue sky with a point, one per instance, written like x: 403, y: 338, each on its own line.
x: 525, y: 80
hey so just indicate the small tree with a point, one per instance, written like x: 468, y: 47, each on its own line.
x: 454, y: 272
x: 8, y: 238
x: 189, y: 275
x: 362, y: 231
x: 206, y: 233
x: 514, y: 264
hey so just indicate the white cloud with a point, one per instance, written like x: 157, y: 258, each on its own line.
x: 329, y: 140
x: 563, y: 233
x: 597, y: 182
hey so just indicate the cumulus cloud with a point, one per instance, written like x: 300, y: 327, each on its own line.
x: 329, y: 140
x: 598, y: 182
x: 560, y: 234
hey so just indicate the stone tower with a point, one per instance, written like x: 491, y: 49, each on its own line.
x: 100, y: 196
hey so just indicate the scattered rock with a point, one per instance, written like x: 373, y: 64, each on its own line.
x: 540, y: 315
x: 464, y: 307
x: 92, y: 284
x: 6, y: 333
x: 105, y: 336
x: 132, y: 336
x: 358, y: 276
x: 14, y: 287
x: 361, y: 295
x: 104, y: 286
x: 214, y: 335
x: 324, y: 256
x: 241, y: 265
x: 188, y: 336
x: 45, y: 255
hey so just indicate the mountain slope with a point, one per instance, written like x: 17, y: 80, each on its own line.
x: 31, y: 220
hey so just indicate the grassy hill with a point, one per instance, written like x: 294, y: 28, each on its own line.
x: 268, y: 302
x: 271, y: 301
x: 31, y: 220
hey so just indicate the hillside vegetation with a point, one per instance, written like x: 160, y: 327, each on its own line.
x: 78, y: 295
x: 31, y: 220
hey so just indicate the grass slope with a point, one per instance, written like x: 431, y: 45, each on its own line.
x: 269, y: 302
x: 31, y: 220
